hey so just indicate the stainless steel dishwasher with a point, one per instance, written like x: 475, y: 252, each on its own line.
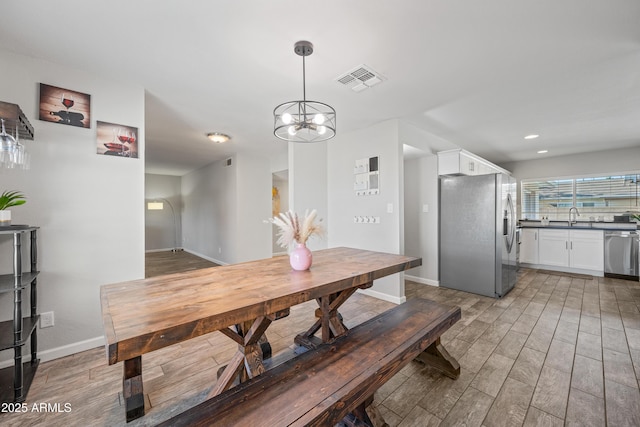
x: 621, y: 255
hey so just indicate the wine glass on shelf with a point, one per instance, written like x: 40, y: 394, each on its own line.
x: 68, y: 102
x: 8, y: 146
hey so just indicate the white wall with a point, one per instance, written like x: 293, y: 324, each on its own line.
x: 308, y: 189
x: 254, y: 207
x: 224, y: 210
x: 607, y: 161
x: 209, y: 217
x: 599, y: 162
x: 89, y: 207
x: 379, y: 140
x: 421, y: 228
x: 162, y: 230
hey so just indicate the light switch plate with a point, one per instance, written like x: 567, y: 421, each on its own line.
x: 389, y: 207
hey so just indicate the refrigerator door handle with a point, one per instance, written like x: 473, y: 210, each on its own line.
x: 508, y: 223
x: 505, y: 224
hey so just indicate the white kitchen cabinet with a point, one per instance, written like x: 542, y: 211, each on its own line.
x: 529, y: 245
x: 461, y: 162
x: 586, y: 249
x: 553, y: 247
x: 577, y: 249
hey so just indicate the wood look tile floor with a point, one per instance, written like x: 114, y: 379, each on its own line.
x: 557, y: 350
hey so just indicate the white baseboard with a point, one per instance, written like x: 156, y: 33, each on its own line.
x: 279, y: 253
x: 62, y: 351
x: 382, y: 296
x: 422, y: 280
x: 563, y: 269
x: 208, y: 258
x: 162, y: 250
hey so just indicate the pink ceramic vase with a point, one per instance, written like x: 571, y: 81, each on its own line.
x: 300, y: 258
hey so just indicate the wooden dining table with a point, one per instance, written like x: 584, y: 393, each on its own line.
x: 239, y: 300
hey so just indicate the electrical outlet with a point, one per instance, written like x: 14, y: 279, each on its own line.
x: 46, y: 320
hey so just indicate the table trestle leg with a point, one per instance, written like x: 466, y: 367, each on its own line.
x: 247, y: 361
x: 329, y: 320
x: 132, y: 388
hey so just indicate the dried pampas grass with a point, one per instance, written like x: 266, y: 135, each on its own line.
x: 290, y: 229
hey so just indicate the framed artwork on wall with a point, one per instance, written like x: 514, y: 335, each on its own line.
x: 65, y: 106
x: 116, y: 140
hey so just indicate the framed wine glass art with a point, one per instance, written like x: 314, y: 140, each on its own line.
x: 116, y: 140
x: 65, y: 106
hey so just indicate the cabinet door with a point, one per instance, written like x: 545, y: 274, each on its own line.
x: 529, y: 245
x: 468, y: 165
x: 449, y: 163
x: 587, y: 249
x: 553, y: 247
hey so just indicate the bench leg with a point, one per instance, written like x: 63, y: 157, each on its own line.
x: 365, y: 415
x: 437, y: 356
x: 132, y: 388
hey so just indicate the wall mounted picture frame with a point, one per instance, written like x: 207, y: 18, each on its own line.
x: 116, y: 140
x: 65, y: 106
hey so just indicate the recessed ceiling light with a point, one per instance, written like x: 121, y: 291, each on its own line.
x: 533, y: 136
x: 218, y: 137
x: 543, y: 151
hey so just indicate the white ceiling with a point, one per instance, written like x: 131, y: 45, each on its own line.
x: 479, y: 74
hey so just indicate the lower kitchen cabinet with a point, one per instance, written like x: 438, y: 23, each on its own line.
x: 529, y: 245
x: 553, y: 247
x: 586, y: 249
x: 572, y: 249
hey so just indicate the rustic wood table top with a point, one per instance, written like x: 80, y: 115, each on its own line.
x: 144, y: 315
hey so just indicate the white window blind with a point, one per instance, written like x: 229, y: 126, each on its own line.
x: 602, y: 196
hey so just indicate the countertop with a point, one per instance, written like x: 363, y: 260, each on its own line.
x: 580, y: 225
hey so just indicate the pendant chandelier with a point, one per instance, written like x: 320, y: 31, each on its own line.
x: 304, y: 121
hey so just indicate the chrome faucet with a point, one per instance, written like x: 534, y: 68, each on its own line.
x: 575, y: 219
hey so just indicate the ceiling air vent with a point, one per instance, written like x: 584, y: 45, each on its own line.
x: 360, y: 78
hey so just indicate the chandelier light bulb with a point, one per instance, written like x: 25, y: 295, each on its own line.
x: 322, y: 130
x: 318, y: 119
x: 292, y: 130
x: 287, y: 118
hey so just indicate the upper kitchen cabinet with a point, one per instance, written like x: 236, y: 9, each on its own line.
x: 462, y: 162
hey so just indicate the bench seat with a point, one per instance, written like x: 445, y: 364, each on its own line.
x: 321, y: 386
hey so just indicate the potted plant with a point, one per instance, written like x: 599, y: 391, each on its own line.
x: 7, y: 200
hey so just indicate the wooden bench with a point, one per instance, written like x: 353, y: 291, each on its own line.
x: 323, y: 385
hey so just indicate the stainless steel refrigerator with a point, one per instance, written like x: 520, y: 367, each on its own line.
x: 477, y: 233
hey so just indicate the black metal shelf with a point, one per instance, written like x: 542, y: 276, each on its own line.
x: 6, y: 381
x: 15, y: 333
x: 8, y: 281
x: 13, y: 116
x: 7, y: 336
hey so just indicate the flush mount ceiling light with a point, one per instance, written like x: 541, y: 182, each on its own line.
x: 543, y: 151
x: 533, y: 136
x: 218, y: 137
x: 304, y: 121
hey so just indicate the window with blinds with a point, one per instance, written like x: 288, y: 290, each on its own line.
x: 602, y: 196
